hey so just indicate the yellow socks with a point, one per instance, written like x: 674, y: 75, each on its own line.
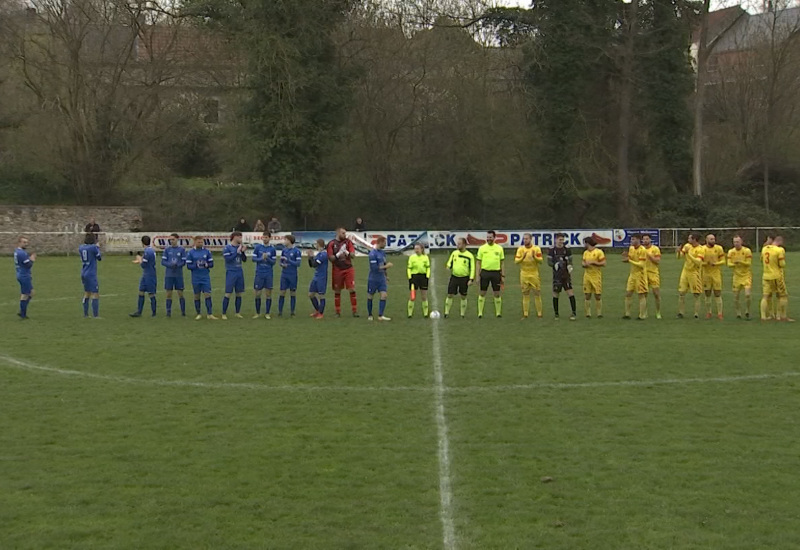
x: 587, y: 307
x: 498, y: 306
x: 599, y: 307
x: 627, y: 306
x: 448, y: 302
x: 410, y: 308
x: 765, y: 308
x: 783, y: 307
x: 463, y: 307
x: 481, y: 304
x: 538, y: 301
x: 718, y: 299
x: 425, y: 308
x: 682, y: 304
x: 526, y: 304
x: 642, y: 306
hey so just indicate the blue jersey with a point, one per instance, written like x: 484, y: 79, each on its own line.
x: 233, y: 259
x: 320, y: 265
x: 264, y: 265
x: 23, y: 263
x: 90, y: 255
x: 174, y: 258
x: 377, y: 259
x: 149, y: 263
x: 198, y: 262
x: 291, y: 258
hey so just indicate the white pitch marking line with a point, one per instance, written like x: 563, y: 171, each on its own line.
x: 25, y: 365
x: 445, y: 484
x: 36, y: 300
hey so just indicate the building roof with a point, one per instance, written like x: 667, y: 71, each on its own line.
x: 754, y: 30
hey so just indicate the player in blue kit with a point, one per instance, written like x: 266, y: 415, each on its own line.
x: 264, y: 256
x: 173, y: 259
x: 149, y: 280
x: 291, y: 258
x: 90, y: 255
x: 234, y: 254
x: 23, y: 264
x: 377, y: 280
x: 316, y: 290
x: 199, y: 261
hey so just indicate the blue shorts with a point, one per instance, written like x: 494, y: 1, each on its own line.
x: 234, y: 282
x: 202, y: 287
x: 173, y: 283
x: 25, y: 285
x: 288, y: 283
x: 148, y: 285
x: 376, y: 285
x: 263, y: 281
x: 317, y: 286
x: 90, y: 284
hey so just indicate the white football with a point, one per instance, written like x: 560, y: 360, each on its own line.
x: 434, y: 314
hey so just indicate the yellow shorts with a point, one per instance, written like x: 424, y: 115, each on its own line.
x: 712, y: 281
x: 775, y: 286
x: 530, y: 281
x: 690, y: 282
x: 592, y: 285
x: 742, y: 282
x: 654, y: 279
x: 637, y: 284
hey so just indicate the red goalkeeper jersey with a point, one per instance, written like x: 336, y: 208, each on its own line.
x: 333, y: 250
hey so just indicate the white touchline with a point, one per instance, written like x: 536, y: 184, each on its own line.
x: 445, y: 485
x: 77, y: 298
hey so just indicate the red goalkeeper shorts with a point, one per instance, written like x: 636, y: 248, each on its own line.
x: 343, y: 279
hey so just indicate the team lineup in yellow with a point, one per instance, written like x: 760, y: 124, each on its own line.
x: 701, y: 276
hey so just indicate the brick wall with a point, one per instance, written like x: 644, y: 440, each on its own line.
x: 64, y: 223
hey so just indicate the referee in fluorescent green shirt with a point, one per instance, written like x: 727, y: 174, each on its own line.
x: 419, y: 271
x: 462, y: 274
x: 491, y: 270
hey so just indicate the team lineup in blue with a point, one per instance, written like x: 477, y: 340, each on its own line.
x: 701, y: 275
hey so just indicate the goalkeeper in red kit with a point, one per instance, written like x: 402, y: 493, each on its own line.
x: 341, y: 253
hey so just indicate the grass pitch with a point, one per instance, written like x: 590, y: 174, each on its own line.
x: 294, y: 433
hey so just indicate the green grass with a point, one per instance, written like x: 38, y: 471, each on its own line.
x: 306, y: 434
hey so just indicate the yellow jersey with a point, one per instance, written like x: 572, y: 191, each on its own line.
x: 741, y: 261
x: 693, y: 257
x: 490, y: 256
x: 595, y: 255
x: 528, y: 259
x: 637, y: 257
x: 714, y: 258
x: 773, y: 260
x: 655, y: 252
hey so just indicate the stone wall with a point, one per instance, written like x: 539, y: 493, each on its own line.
x: 59, y: 229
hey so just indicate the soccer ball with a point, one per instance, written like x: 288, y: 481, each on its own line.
x: 434, y: 314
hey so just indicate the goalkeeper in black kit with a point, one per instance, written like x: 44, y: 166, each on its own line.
x: 560, y: 259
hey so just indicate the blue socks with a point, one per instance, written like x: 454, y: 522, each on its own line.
x: 369, y: 307
x: 281, y: 301
x: 183, y: 305
x: 238, y: 304
x: 140, y: 306
x: 315, y: 303
x: 86, y: 307
x: 153, y: 304
x: 269, y: 305
x: 293, y: 302
x: 197, y: 306
x: 169, y: 307
x: 225, y: 302
x: 382, y: 307
x: 96, y: 307
x: 23, y: 308
x: 322, y: 306
x: 208, y: 306
x: 258, y: 305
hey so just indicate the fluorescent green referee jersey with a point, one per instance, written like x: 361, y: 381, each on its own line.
x: 490, y: 256
x: 419, y: 264
x: 462, y: 264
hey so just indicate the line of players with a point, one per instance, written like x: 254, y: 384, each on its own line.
x: 701, y: 274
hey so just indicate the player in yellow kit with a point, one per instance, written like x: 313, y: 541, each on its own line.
x: 772, y: 306
x: 714, y: 259
x: 637, y: 280
x: 740, y: 259
x: 528, y: 258
x: 691, y: 275
x: 594, y: 260
x: 653, y: 271
x: 774, y: 283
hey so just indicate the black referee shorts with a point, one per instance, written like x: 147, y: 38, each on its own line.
x: 491, y: 277
x: 419, y: 280
x: 458, y: 285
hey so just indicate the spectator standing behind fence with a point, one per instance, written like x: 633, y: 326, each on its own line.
x: 242, y: 226
x: 274, y: 226
x: 359, y: 226
x: 92, y: 228
x: 259, y: 227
